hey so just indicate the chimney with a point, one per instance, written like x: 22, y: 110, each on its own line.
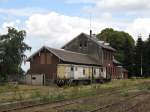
x: 90, y: 33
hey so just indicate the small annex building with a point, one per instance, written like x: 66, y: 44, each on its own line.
x: 83, y: 58
x: 47, y: 62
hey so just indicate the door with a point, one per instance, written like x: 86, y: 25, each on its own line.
x: 37, y: 79
x: 71, y: 72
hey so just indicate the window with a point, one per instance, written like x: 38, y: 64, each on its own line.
x: 80, y: 44
x: 33, y: 78
x: 71, y: 68
x: 85, y: 44
x: 83, y: 71
x: 101, y: 69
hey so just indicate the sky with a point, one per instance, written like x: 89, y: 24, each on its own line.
x: 55, y: 22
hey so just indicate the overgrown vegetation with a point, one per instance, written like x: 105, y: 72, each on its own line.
x: 11, y: 92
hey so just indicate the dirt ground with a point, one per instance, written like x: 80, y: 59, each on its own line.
x: 134, y: 101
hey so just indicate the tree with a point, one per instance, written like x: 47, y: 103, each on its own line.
x: 12, y: 51
x: 128, y: 57
x: 122, y: 42
x: 138, y: 56
x: 146, y: 57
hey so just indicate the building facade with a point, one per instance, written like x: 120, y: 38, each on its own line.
x: 83, y: 58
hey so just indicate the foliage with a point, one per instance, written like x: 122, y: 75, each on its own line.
x: 12, y: 49
x: 141, y: 57
x: 146, y: 58
x: 128, y: 56
x: 138, y: 54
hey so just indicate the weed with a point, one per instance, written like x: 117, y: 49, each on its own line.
x: 59, y: 97
x: 125, y: 93
x: 36, y: 94
x: 124, y: 84
x: 144, y: 87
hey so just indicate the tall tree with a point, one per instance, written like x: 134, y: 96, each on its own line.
x: 128, y: 56
x: 138, y: 56
x: 12, y: 51
x: 146, y: 57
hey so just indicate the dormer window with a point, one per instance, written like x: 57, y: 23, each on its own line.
x: 80, y: 44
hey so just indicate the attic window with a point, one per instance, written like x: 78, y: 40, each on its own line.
x: 80, y: 44
x: 85, y: 44
x: 33, y: 78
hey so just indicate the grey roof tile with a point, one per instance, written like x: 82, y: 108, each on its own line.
x: 69, y: 56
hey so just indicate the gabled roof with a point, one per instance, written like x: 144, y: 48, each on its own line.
x: 95, y: 40
x: 68, y: 56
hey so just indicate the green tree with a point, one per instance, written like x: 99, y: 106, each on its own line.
x: 138, y: 56
x: 128, y: 56
x: 146, y: 57
x: 12, y: 51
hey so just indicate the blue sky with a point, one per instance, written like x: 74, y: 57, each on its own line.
x: 55, y: 22
x: 60, y: 6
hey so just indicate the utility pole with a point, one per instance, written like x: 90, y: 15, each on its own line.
x: 141, y: 65
x: 140, y: 36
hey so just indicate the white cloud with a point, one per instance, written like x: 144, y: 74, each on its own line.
x: 3, y: 28
x: 126, y: 7
x: 54, y: 29
x: 57, y: 29
x: 139, y: 26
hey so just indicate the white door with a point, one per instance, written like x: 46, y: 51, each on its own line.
x: 37, y: 79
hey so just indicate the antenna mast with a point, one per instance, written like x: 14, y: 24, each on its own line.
x: 90, y: 24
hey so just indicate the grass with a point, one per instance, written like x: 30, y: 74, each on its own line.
x: 9, y: 92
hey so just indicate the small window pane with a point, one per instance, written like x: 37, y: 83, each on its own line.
x: 33, y: 78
